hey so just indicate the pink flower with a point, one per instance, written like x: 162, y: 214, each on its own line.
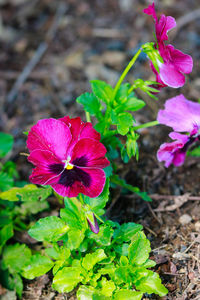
x: 175, y: 63
x: 183, y: 116
x: 175, y: 152
x: 163, y: 25
x: 68, y: 156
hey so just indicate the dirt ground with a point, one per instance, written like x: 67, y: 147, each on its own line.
x: 73, y: 42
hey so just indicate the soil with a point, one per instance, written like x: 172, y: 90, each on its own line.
x: 95, y: 39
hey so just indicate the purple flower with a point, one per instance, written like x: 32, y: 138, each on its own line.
x: 175, y: 152
x: 175, y: 63
x: 67, y: 155
x: 183, y: 116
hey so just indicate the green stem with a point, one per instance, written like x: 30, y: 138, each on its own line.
x: 149, y: 124
x: 99, y: 218
x: 129, y: 66
x: 87, y: 115
x: 81, y: 199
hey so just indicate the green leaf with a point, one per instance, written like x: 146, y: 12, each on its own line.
x: 6, y: 233
x: 108, y: 287
x: 128, y: 295
x: 85, y: 293
x: 127, y: 231
x: 10, y: 168
x: 97, y: 204
x: 6, y: 182
x: 72, y: 214
x: 15, y: 257
x: 102, y: 90
x: 48, y: 229
x: 124, y: 121
x: 122, y: 275
x: 15, y: 283
x: 63, y: 259
x: 104, y: 236
x: 134, y: 104
x: 91, y: 259
x: 121, y: 182
x: 149, y: 263
x: 122, y: 93
x: 139, y: 249
x: 6, y: 143
x: 32, y: 207
x: 144, y: 196
x: 52, y: 252
x: 38, y: 265
x: 67, y: 279
x: 90, y: 103
x: 75, y: 238
x: 194, y: 152
x: 29, y: 192
x: 152, y: 284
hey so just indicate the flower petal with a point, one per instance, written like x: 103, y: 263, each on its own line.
x: 91, y: 186
x: 80, y: 130
x: 50, y: 134
x: 150, y: 10
x: 163, y: 26
x: 182, y: 62
x: 91, y: 152
x: 43, y: 174
x: 180, y: 114
x: 170, y: 75
x: 174, y: 152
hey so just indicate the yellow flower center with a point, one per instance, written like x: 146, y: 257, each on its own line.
x: 68, y: 165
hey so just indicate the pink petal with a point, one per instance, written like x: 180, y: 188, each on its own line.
x: 180, y: 114
x: 179, y: 158
x: 171, y: 76
x: 89, y: 132
x: 163, y: 26
x: 80, y: 130
x: 93, y: 152
x: 50, y: 134
x: 150, y: 10
x: 43, y: 158
x: 182, y: 138
x: 41, y: 174
x: 93, y: 190
x: 173, y: 152
x: 182, y: 62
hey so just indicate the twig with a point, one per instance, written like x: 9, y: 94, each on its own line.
x: 153, y: 213
x: 172, y: 197
x: 150, y: 230
x: 107, y: 33
x: 185, y: 19
x: 38, y: 53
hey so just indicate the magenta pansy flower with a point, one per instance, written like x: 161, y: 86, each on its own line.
x: 67, y: 155
x: 183, y: 116
x: 175, y: 63
x: 175, y: 152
